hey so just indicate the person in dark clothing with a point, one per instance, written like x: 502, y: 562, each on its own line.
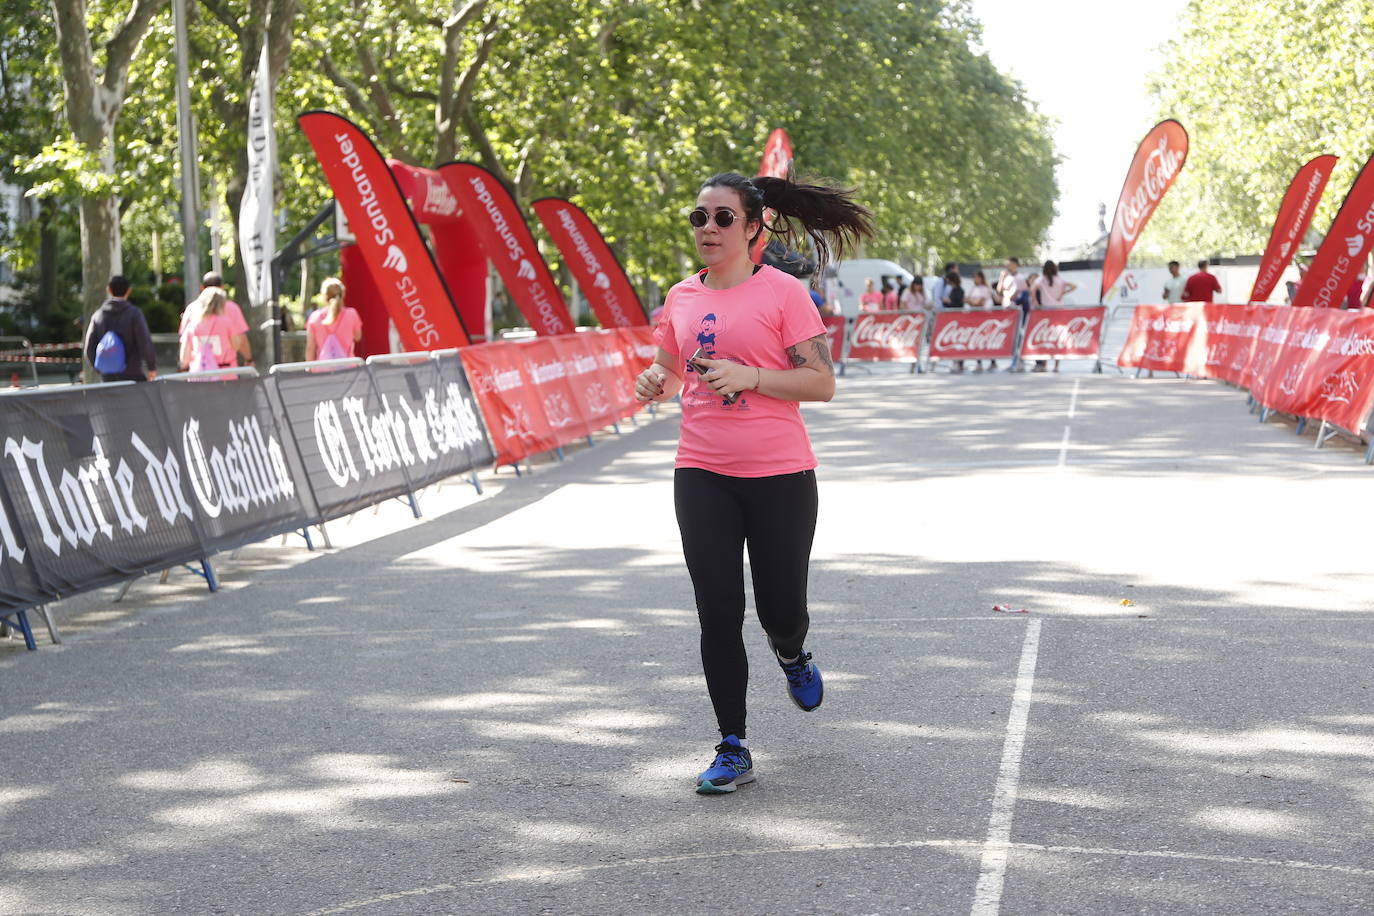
x: 120, y: 315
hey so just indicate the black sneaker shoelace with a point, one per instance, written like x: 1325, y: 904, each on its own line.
x: 729, y: 755
x: 798, y: 671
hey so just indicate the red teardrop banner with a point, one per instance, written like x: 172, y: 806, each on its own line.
x: 510, y: 246
x: 387, y: 236
x: 1343, y: 252
x: 1157, y: 162
x: 1295, y: 215
x: 598, y: 271
x: 776, y: 163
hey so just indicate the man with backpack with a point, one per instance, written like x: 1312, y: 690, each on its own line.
x: 117, y: 340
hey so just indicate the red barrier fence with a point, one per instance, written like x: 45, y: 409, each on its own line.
x: 541, y: 394
x: 1063, y: 333
x: 887, y: 336
x: 1316, y: 363
x: 974, y: 334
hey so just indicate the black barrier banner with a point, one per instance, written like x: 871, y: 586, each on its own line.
x: 95, y: 491
x: 470, y: 429
x: 380, y: 431
x: 236, y: 468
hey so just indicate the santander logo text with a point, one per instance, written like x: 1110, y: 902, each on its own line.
x: 593, y: 265
x: 553, y: 322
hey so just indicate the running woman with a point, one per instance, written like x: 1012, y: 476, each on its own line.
x: 745, y: 473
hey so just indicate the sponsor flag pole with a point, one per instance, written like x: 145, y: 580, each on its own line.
x: 1344, y: 250
x: 592, y: 262
x: 1157, y: 162
x: 257, y: 228
x: 1295, y: 215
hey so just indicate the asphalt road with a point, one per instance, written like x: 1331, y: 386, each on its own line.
x: 501, y: 710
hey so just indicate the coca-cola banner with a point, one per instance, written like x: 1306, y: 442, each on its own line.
x: 974, y: 333
x: 1157, y: 162
x: 1342, y: 254
x: 387, y: 235
x: 886, y: 336
x: 598, y: 271
x: 776, y: 163
x: 1166, y: 338
x: 1295, y: 215
x: 1063, y: 333
x: 834, y: 333
x: 510, y: 246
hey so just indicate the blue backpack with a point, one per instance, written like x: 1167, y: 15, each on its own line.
x: 109, y: 355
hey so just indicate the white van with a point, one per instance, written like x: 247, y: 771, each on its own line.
x: 850, y: 277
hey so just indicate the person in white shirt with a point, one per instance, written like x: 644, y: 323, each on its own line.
x: 1173, y: 287
x: 1050, y: 289
x: 1011, y: 286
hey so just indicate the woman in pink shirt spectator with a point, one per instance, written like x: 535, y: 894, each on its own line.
x: 1050, y: 289
x: 207, y: 338
x: 333, y: 331
x: 871, y: 300
x: 744, y: 345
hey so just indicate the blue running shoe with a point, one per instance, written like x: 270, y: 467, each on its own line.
x: 733, y: 768
x: 803, y: 680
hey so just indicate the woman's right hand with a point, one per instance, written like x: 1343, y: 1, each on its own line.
x: 649, y: 383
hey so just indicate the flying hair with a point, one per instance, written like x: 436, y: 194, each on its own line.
x: 828, y: 215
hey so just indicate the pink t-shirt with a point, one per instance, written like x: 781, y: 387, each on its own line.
x: 232, y: 314
x: 212, y: 331
x: 343, y: 329
x: 752, y: 324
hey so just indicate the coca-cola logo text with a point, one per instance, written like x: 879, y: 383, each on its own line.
x: 987, y: 336
x: 889, y: 332
x: 1161, y: 165
x: 1078, y: 334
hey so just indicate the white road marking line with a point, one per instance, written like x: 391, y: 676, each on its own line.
x: 1073, y: 398
x: 1073, y: 409
x: 992, y: 872
x: 1064, y: 448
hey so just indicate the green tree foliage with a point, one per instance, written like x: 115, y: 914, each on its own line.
x: 625, y: 106
x: 1262, y: 86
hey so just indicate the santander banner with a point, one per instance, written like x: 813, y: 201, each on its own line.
x: 598, y: 271
x: 1056, y: 333
x: 1157, y: 162
x: 1342, y: 253
x: 1295, y: 215
x: 776, y: 163
x: 1166, y: 338
x: 387, y: 235
x: 508, y: 243
x: 887, y: 336
x: 974, y: 333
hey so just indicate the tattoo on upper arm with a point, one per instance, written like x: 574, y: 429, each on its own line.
x: 796, y: 358
x: 822, y: 345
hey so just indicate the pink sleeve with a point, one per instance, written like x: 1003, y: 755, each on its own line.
x: 355, y: 321
x: 235, y: 315
x: 800, y: 320
x: 664, y: 334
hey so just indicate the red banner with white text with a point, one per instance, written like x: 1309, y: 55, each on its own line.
x: 1232, y: 332
x: 388, y: 237
x: 1295, y: 215
x: 1166, y: 338
x: 1157, y: 162
x: 510, y: 246
x: 1063, y: 333
x: 596, y: 268
x: 1343, y: 251
x: 834, y: 333
x: 974, y: 334
x: 508, y: 401
x: 887, y: 336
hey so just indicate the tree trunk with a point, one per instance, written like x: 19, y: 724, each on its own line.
x: 47, y: 260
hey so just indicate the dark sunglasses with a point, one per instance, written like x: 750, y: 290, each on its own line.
x: 724, y: 218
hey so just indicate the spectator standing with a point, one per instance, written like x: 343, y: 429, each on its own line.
x: 937, y: 289
x: 1201, y: 286
x: 238, y: 327
x: 914, y: 297
x: 952, y: 297
x: 127, y: 330
x: 871, y: 300
x: 332, y: 332
x: 889, y: 295
x: 1012, y: 288
x: 981, y: 297
x: 207, y: 338
x: 1050, y: 289
x: 1173, y: 287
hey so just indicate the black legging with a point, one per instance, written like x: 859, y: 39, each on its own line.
x: 718, y: 516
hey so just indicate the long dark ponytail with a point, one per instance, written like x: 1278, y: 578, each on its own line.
x: 828, y: 215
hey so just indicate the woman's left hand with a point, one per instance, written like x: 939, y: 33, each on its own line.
x: 727, y: 378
